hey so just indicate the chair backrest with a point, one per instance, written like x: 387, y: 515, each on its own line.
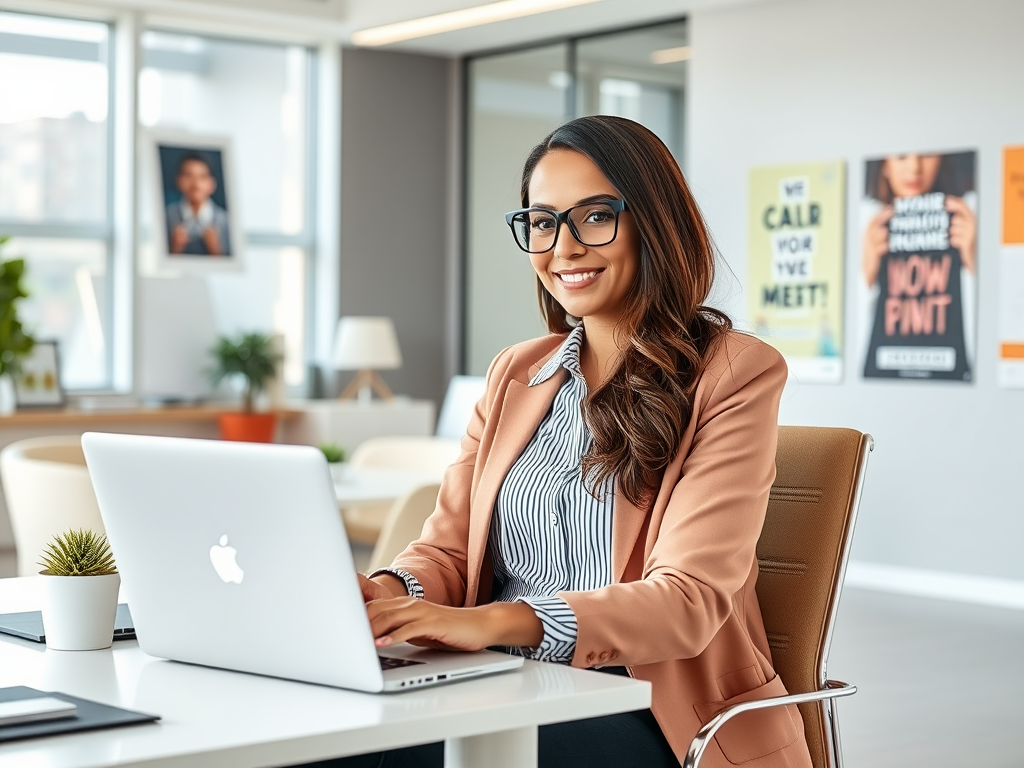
x: 464, y: 392
x: 419, y: 454
x: 403, y: 524
x: 48, y: 490
x: 802, y: 555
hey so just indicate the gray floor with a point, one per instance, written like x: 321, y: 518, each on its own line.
x: 938, y: 682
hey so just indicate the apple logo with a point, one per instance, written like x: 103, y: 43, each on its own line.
x: 223, y: 559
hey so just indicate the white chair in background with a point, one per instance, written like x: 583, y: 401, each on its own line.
x: 48, y: 490
x: 403, y: 524
x: 430, y: 456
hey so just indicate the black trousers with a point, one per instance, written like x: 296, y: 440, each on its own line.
x: 628, y: 740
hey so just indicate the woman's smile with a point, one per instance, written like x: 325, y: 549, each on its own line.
x: 578, y: 279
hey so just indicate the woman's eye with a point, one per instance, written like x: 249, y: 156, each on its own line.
x: 542, y: 225
x: 599, y: 216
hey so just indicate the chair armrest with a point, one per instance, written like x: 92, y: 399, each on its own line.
x: 700, y: 742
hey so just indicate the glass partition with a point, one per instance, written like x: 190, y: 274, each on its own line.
x: 513, y: 100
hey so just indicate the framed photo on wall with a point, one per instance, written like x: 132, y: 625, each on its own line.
x: 197, y: 218
x: 38, y: 383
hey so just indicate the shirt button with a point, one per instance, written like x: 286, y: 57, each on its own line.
x: 554, y: 519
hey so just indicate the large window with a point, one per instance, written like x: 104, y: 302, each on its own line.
x: 514, y: 99
x: 58, y: 168
x: 55, y: 183
x: 259, y: 96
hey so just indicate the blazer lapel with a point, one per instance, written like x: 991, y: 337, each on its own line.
x: 522, y: 411
x: 627, y: 522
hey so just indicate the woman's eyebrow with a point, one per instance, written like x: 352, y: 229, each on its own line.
x: 603, y: 197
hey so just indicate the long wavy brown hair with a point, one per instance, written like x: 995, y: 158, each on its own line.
x: 637, y: 417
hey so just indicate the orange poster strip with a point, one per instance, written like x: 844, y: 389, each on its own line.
x: 1011, y: 351
x: 1013, y: 196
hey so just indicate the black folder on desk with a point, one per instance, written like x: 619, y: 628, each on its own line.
x: 91, y: 715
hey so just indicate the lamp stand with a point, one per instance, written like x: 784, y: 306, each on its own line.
x: 362, y: 384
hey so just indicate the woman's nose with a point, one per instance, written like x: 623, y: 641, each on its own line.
x: 567, y: 246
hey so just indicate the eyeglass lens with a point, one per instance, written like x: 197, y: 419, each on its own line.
x: 593, y: 224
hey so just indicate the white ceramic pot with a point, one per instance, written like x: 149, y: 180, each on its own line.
x: 8, y: 402
x: 79, y: 611
x: 338, y: 470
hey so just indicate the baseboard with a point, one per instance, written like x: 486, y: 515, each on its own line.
x: 942, y: 585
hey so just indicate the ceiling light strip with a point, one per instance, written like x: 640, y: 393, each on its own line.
x: 672, y: 55
x: 467, y: 17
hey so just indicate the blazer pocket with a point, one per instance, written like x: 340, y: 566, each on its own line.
x: 757, y: 733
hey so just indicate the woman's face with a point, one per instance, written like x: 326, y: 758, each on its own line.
x: 588, y: 281
x: 910, y: 175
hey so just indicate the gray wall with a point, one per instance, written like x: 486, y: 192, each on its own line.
x: 395, y: 177
x: 807, y: 80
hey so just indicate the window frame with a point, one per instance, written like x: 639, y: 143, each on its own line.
x: 55, y: 230
x: 119, y: 232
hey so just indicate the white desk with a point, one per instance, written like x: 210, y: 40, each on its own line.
x: 366, y: 486
x: 213, y: 718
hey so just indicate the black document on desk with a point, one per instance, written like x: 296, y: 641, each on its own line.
x: 91, y: 715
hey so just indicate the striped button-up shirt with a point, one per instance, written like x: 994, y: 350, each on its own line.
x: 548, y: 533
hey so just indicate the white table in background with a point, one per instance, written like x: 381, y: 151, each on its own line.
x: 359, y: 486
x: 231, y: 720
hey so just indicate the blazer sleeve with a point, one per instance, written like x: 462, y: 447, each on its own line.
x: 439, y: 559
x: 706, y: 537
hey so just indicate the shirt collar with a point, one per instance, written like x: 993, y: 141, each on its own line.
x: 567, y: 356
x: 203, y: 217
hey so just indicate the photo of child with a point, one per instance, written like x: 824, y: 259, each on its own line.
x: 197, y: 216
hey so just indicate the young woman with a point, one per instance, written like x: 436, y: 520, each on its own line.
x: 615, y: 476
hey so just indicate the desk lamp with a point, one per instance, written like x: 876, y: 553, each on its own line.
x: 366, y: 345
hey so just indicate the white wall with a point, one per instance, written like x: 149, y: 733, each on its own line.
x: 811, y: 80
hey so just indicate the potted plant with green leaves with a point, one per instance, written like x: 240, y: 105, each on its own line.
x: 335, y: 456
x: 15, y: 343
x: 79, y: 591
x: 250, y: 357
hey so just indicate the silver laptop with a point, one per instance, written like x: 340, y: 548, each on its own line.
x: 233, y: 555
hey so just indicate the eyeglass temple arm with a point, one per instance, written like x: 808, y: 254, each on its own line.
x: 704, y: 735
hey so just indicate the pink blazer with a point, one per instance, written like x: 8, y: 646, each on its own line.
x: 682, y: 611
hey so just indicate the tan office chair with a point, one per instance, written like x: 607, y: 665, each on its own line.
x: 802, y: 556
x: 430, y: 455
x: 403, y: 524
x: 48, y: 490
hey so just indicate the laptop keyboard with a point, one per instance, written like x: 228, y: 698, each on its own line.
x: 387, y: 662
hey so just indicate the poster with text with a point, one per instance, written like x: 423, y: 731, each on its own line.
x: 918, y: 266
x: 1011, y: 272
x: 796, y: 265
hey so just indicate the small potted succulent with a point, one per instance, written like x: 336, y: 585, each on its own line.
x: 79, y: 591
x: 335, y: 456
x: 252, y: 358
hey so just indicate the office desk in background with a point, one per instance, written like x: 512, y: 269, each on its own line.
x: 226, y: 719
x: 371, y: 486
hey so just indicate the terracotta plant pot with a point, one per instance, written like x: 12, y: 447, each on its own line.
x: 248, y: 427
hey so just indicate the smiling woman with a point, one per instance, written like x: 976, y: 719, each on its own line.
x: 614, y: 479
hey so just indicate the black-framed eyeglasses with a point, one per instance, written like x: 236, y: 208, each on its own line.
x: 536, y: 229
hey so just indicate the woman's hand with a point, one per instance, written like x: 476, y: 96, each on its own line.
x: 406, y: 619
x: 876, y: 244
x: 382, y: 587
x: 963, y: 230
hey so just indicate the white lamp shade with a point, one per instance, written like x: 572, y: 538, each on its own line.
x: 363, y: 343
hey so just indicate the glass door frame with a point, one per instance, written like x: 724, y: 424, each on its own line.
x: 571, y: 43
